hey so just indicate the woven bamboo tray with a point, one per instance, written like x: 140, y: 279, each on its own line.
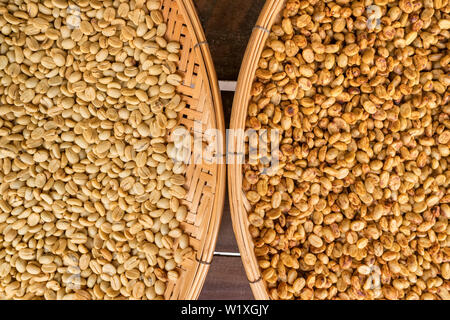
x: 238, y: 202
x: 205, y: 182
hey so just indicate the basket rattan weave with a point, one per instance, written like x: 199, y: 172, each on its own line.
x: 205, y: 182
x: 238, y: 203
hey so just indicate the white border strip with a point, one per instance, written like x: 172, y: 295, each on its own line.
x: 227, y: 254
x: 226, y: 85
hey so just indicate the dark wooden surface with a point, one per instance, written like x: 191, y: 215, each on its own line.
x: 227, y: 25
x: 226, y: 280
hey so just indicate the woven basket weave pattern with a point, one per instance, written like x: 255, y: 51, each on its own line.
x: 205, y: 182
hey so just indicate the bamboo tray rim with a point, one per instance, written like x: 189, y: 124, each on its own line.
x: 238, y: 203
x: 191, y: 290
